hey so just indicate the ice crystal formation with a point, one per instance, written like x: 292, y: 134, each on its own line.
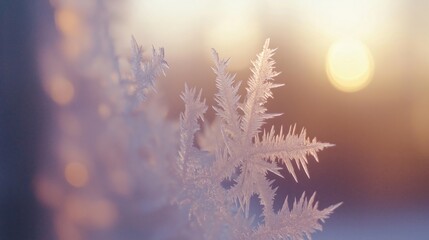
x: 230, y: 165
x: 145, y: 73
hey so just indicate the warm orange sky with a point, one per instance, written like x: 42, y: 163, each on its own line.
x: 356, y: 74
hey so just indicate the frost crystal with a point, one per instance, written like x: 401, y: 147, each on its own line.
x: 219, y: 181
x: 145, y: 73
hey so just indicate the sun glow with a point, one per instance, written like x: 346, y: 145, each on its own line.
x: 349, y: 65
x: 168, y: 23
x: 235, y: 31
x: 348, y: 17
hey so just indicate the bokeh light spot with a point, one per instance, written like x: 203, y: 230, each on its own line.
x: 60, y: 90
x: 349, y: 65
x: 48, y: 191
x: 76, y: 174
x: 104, y: 111
x: 67, y: 21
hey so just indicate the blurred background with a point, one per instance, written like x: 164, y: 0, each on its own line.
x: 356, y: 74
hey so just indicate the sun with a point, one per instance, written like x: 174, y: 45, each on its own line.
x: 349, y: 65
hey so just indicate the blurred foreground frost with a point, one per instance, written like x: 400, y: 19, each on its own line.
x: 111, y: 144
